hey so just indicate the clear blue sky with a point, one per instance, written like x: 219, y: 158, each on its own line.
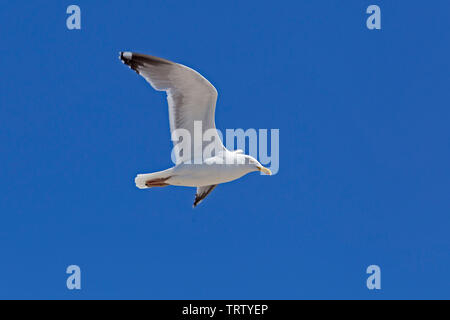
x: 364, y: 151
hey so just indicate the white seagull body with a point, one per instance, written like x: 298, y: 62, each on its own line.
x: 191, y: 98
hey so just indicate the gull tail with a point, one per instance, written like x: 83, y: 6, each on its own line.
x: 150, y: 180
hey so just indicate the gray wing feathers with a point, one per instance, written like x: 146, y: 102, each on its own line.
x: 190, y: 96
x: 202, y: 192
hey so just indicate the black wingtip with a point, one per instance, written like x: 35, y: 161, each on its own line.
x: 197, y: 201
x: 128, y: 58
x: 121, y: 56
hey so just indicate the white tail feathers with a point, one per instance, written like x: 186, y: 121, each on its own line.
x: 141, y: 179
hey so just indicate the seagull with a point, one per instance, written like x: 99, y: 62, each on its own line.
x: 191, y: 99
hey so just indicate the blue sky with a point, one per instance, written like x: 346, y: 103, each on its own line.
x: 364, y: 151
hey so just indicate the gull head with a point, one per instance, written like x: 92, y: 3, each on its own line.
x: 252, y: 164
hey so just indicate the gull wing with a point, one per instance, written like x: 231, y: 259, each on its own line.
x: 202, y: 192
x: 190, y: 97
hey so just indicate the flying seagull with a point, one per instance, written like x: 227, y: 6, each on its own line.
x: 191, y: 98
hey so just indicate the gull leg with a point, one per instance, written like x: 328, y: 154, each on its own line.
x: 156, y: 183
x: 155, y: 179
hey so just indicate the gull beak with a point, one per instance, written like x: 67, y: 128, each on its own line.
x: 265, y: 170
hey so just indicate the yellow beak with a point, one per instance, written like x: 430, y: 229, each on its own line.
x: 265, y: 170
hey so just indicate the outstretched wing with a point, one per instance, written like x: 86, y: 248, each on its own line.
x: 190, y: 96
x: 202, y: 192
